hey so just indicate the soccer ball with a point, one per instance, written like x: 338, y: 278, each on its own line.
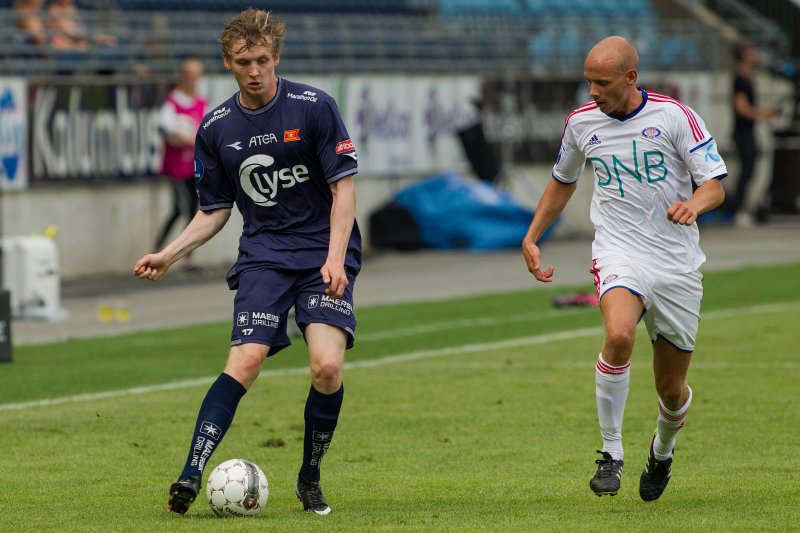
x: 237, y: 488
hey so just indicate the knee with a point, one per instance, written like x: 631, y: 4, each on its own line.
x: 325, y: 374
x: 245, y: 363
x: 672, y: 393
x: 618, y: 345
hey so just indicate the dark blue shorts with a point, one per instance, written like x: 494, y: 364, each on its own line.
x: 265, y: 297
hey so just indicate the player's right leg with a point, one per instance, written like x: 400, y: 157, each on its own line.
x: 621, y: 310
x: 214, y: 418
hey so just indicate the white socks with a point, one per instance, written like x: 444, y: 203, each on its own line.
x: 669, y: 423
x: 611, y: 391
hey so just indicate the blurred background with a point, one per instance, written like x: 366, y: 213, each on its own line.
x: 472, y: 92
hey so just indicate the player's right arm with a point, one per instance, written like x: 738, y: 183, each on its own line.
x: 566, y: 171
x: 552, y: 203
x: 203, y: 226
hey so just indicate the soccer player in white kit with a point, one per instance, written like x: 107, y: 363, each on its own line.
x: 645, y: 151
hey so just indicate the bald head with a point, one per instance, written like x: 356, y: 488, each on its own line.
x: 614, y: 53
x: 611, y: 72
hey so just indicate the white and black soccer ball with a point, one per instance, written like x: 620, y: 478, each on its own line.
x: 237, y: 488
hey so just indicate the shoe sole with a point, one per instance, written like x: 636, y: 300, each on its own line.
x: 598, y: 494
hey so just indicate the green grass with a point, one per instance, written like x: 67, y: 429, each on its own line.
x: 497, y: 435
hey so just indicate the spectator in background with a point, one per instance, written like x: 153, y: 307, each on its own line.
x: 178, y: 122
x: 29, y: 19
x: 745, y: 114
x: 69, y: 31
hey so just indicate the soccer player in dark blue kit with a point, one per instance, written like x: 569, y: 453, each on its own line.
x: 280, y: 151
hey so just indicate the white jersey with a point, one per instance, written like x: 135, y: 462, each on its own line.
x: 642, y: 162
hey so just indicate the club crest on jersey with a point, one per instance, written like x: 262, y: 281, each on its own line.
x: 651, y: 132
x: 291, y: 135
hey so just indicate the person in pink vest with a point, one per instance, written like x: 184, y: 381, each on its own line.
x: 178, y: 122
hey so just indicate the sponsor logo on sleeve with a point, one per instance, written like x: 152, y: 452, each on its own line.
x: 241, y: 319
x: 345, y: 146
x: 291, y: 135
x: 712, y: 154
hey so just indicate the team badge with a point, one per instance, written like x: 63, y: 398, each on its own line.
x: 291, y: 135
x: 198, y: 169
x: 651, y: 133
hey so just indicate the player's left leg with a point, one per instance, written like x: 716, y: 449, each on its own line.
x: 672, y: 323
x: 670, y: 367
x: 326, y: 347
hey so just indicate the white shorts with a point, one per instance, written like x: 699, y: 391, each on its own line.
x: 671, y: 301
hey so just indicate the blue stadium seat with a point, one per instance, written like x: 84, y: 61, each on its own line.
x: 451, y: 8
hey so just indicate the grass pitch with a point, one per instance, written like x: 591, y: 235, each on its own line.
x: 473, y: 414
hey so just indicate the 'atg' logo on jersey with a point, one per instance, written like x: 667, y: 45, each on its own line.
x: 651, y: 133
x: 262, y: 184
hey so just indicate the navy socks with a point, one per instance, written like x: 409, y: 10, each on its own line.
x: 321, y: 414
x: 213, y: 420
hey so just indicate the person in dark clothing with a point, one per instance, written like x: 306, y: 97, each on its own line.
x: 745, y: 114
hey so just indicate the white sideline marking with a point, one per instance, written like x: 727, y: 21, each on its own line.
x: 391, y: 359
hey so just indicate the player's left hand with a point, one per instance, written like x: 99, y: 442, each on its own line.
x: 335, y: 278
x: 680, y: 213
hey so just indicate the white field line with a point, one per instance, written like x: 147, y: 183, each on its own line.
x: 392, y: 359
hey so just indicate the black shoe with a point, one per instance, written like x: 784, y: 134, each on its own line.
x: 655, y: 477
x: 606, y: 480
x: 182, y: 493
x: 310, y: 493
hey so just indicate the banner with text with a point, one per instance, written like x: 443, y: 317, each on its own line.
x: 402, y: 124
x: 94, y: 131
x: 13, y: 133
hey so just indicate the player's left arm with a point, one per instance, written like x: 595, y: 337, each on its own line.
x: 705, y: 198
x: 704, y: 164
x: 343, y: 215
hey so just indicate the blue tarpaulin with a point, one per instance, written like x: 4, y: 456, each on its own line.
x: 455, y: 212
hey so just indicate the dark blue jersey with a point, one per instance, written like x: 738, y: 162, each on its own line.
x: 277, y: 163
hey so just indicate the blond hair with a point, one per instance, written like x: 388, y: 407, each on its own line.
x: 255, y: 27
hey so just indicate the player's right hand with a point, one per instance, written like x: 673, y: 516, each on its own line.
x: 533, y: 260
x: 151, y: 266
